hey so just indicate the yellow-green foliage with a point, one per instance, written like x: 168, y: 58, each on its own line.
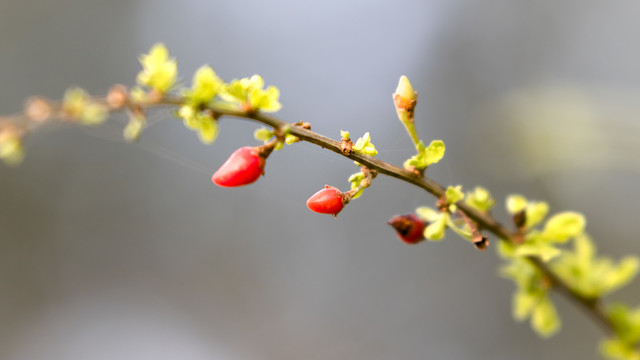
x: 571, y: 255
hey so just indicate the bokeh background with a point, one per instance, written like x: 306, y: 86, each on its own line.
x: 111, y: 250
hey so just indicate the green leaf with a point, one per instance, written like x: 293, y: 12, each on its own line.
x: 159, y: 72
x: 516, y: 203
x: 618, y: 350
x: 454, y: 194
x: 581, y: 263
x: 480, y: 199
x: 463, y: 233
x: 417, y: 161
x: 355, y: 180
x: 505, y: 249
x: 134, y: 127
x: 519, y: 272
x: 202, y: 122
x: 249, y: 92
x: 523, y: 274
x: 344, y: 134
x: 536, y: 212
x: 563, y: 226
x: 428, y: 214
x: 434, y: 152
x: 626, y: 322
x: 263, y: 134
x: 426, y: 155
x: 593, y: 276
x: 543, y: 251
x: 620, y: 275
x: 290, y: 139
x: 237, y: 91
x: 544, y: 318
x: 205, y: 86
x: 187, y: 113
x: 619, y: 314
x: 436, y: 230
x: 524, y: 303
x: 584, y: 248
x: 208, y: 131
x: 365, y: 146
x: 265, y: 99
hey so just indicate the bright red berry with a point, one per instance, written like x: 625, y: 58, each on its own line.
x: 409, y: 228
x: 243, y: 167
x: 327, y: 201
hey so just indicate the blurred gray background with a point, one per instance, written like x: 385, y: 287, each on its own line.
x: 111, y: 250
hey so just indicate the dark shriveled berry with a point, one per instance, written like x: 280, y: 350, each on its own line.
x: 409, y: 228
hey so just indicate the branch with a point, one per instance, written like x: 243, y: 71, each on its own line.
x: 39, y: 111
x: 592, y: 307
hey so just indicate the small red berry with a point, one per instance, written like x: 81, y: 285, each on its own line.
x: 327, y: 201
x: 243, y: 167
x: 409, y: 228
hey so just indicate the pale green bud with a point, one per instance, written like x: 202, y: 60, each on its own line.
x: 405, y: 90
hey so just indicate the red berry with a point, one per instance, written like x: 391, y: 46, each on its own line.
x: 409, y: 228
x: 327, y: 201
x: 243, y: 167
